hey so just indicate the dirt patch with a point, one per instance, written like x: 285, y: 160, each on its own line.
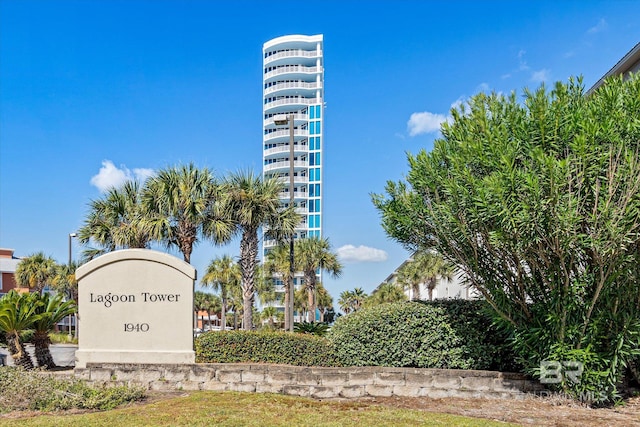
x: 529, y: 411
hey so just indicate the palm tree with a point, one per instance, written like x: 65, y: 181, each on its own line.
x: 346, y: 301
x: 301, y: 302
x: 358, y: 297
x: 269, y: 314
x: 213, y: 305
x: 17, y: 314
x: 385, y: 293
x: 182, y: 204
x: 254, y: 203
x: 115, y: 222
x: 49, y: 311
x: 35, y: 271
x: 425, y: 267
x: 351, y: 301
x: 199, y: 305
x: 278, y: 265
x: 65, y: 282
x: 223, y: 274
x: 324, y: 300
x: 315, y: 254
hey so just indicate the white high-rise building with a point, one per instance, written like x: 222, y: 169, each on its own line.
x: 293, y: 85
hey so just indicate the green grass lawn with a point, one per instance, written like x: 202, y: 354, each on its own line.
x: 252, y: 409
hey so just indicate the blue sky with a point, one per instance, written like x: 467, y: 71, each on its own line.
x: 94, y: 91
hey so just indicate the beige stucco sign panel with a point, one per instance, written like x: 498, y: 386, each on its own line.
x: 135, y: 306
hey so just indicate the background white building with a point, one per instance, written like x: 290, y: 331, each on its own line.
x: 293, y: 86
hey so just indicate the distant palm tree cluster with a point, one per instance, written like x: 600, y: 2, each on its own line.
x: 424, y: 268
x: 181, y: 206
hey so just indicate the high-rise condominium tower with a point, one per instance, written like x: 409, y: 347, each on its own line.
x: 293, y: 87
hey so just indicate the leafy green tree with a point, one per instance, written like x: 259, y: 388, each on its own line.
x: 115, y: 222
x: 385, y: 293
x: 17, y: 314
x: 181, y: 205
x: 315, y: 254
x: 35, y: 271
x: 424, y: 267
x: 538, y: 203
x: 223, y: 275
x: 49, y: 311
x: 254, y: 203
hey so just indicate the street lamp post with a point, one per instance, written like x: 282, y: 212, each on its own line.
x: 71, y: 236
x: 290, y: 121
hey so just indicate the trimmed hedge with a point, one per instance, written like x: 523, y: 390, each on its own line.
x: 264, y: 347
x: 435, y: 334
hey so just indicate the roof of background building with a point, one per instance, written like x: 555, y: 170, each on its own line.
x: 630, y: 63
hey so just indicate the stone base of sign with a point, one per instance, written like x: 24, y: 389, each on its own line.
x: 85, y: 357
x: 316, y: 382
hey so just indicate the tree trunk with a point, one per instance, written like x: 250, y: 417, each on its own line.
x: 41, y: 342
x: 248, y: 263
x: 223, y: 316
x: 18, y: 353
x: 287, y: 321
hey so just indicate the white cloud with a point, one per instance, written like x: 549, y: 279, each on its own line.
x: 142, y: 174
x: 540, y: 76
x: 350, y: 253
x: 482, y: 87
x: 505, y: 76
x: 425, y: 122
x: 458, y: 102
x: 522, y: 63
x: 110, y: 176
x: 600, y: 26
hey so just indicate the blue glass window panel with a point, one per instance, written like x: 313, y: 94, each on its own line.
x: 312, y: 144
x: 318, y: 143
x: 311, y: 176
x: 311, y: 190
x: 317, y: 159
x: 310, y: 221
x: 317, y: 221
x: 317, y: 189
x: 317, y: 111
x: 317, y: 128
x: 311, y: 129
x: 317, y: 174
x: 311, y: 206
x: 312, y: 158
x: 312, y: 112
x: 317, y: 203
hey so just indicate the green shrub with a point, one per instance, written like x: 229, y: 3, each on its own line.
x: 30, y: 390
x: 314, y: 328
x: 264, y: 347
x: 62, y: 338
x: 438, y: 334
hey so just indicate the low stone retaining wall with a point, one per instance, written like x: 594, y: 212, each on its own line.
x: 316, y: 382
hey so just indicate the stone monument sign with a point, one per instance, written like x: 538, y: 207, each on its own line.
x: 135, y: 306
